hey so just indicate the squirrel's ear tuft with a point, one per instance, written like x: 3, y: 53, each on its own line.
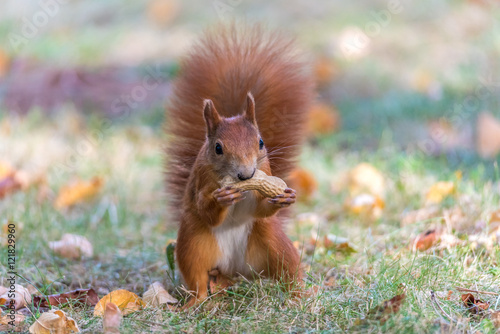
x: 250, y: 109
x: 212, y: 117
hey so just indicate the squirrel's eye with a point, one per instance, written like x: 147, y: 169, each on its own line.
x: 218, y: 149
x: 261, y: 144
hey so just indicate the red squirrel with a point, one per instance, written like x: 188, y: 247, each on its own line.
x: 239, y: 104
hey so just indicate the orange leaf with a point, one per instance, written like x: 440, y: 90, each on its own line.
x: 78, y: 192
x: 324, y: 70
x: 126, y: 301
x: 426, y: 240
x: 388, y: 307
x: 304, y: 182
x: 488, y: 135
x: 474, y: 306
x: 323, y: 120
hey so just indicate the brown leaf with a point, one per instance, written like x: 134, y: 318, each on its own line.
x: 495, y: 317
x: 112, y: 319
x: 72, y: 246
x: 83, y: 296
x: 9, y: 184
x: 388, y: 307
x: 475, y: 306
x: 156, y: 295
x: 426, y: 240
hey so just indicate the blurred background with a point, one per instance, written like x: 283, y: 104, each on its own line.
x: 417, y: 74
x: 405, y: 128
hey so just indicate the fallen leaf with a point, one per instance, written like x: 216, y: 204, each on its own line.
x: 439, y: 191
x: 84, y: 296
x: 9, y: 322
x: 474, y: 306
x: 488, y: 135
x: 304, y: 182
x: 9, y: 184
x: 426, y: 240
x: 495, y: 318
x: 364, y: 178
x: 5, y: 62
x: 341, y: 244
x: 72, y: 246
x: 388, y: 307
x: 5, y: 169
x: 324, y: 70
x: 322, y: 120
x: 366, y: 206
x: 54, y: 321
x: 22, y: 297
x: 112, y: 319
x: 78, y: 192
x: 494, y: 222
x: 128, y: 302
x: 156, y: 295
x: 163, y: 12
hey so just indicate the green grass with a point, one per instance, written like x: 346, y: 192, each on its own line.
x: 129, y: 228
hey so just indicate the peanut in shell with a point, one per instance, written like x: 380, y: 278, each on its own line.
x: 268, y: 186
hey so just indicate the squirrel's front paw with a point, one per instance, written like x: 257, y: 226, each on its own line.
x: 285, y: 199
x: 228, y: 196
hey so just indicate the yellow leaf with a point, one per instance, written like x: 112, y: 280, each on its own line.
x: 5, y: 169
x: 365, y: 178
x: 157, y: 295
x: 72, y: 246
x: 126, y: 301
x: 439, y: 191
x: 78, y: 192
x: 54, y: 321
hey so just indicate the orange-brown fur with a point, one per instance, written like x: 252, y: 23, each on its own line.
x: 211, y: 105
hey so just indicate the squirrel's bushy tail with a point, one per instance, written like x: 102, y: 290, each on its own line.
x: 226, y: 63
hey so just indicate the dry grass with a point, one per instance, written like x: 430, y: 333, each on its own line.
x: 129, y: 229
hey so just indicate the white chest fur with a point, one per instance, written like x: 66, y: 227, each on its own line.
x: 232, y: 237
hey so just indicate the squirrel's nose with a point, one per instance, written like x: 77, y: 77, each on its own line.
x: 245, y: 176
